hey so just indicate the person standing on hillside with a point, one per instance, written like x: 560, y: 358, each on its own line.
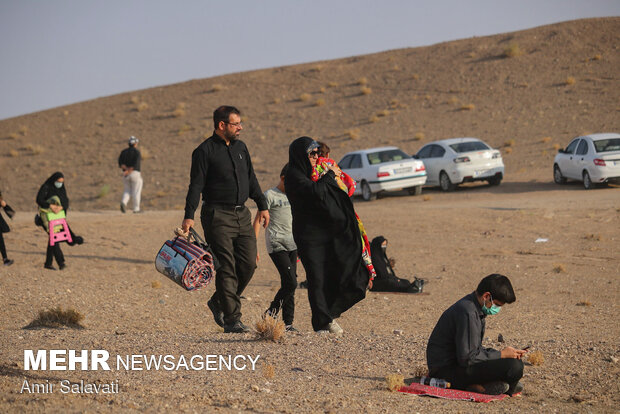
x: 4, y: 228
x: 129, y: 162
x: 222, y: 172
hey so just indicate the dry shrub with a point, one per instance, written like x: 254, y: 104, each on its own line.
x: 145, y: 153
x: 178, y: 112
x: 319, y: 102
x: 523, y: 85
x: 322, y: 89
x: 142, y: 106
x: 513, y: 50
x: 365, y: 90
x: 509, y: 143
x: 427, y: 198
x: 415, y: 76
x: 332, y: 84
x: 362, y: 81
x: 304, y: 97
x: 467, y: 107
x: 352, y: 133
x: 556, y: 146
x: 217, y: 87
x: 452, y: 101
x: 134, y: 100
x: 14, y: 153
x: 35, y: 149
x: 23, y: 130
x: 584, y: 303
x: 597, y: 57
x: 65, y: 113
x: 595, y: 237
x: 396, y: 68
x: 13, y: 135
x: 559, y: 268
x: 184, y: 129
x: 546, y: 139
x: 384, y: 112
x: 276, y: 101
x: 372, y: 119
x: 269, y: 371
x: 536, y: 358
x: 418, y: 136
x: 395, y: 382
x: 156, y: 284
x: 507, y: 150
x: 104, y: 191
x: 56, y: 318
x: 270, y: 328
x: 161, y: 194
x: 569, y: 81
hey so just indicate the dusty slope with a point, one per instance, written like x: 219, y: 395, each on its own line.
x: 524, y: 104
x: 109, y: 279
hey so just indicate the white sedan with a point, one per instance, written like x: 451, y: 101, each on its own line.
x: 382, y: 169
x: 592, y: 159
x: 450, y: 162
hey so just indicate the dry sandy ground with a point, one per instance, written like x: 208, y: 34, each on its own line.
x: 452, y: 240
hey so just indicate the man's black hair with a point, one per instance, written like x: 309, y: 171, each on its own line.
x: 284, y: 170
x: 499, y: 286
x: 223, y: 114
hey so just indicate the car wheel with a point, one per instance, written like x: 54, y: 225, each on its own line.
x: 445, y: 183
x: 415, y: 191
x: 587, y: 181
x: 367, y: 195
x: 495, y: 180
x: 557, y: 175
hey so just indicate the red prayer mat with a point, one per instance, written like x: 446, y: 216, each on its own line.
x: 450, y: 394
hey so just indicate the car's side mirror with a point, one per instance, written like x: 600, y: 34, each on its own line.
x: 415, y: 157
x: 561, y: 151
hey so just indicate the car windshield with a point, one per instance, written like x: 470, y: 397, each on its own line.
x: 386, y: 156
x: 607, y: 145
x: 469, y: 146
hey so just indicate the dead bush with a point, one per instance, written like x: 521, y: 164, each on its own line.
x: 513, y: 50
x: 365, y: 90
x: 536, y: 358
x: 395, y: 382
x: 57, y: 318
x: 270, y: 328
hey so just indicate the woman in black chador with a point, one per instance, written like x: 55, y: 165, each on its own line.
x: 52, y: 196
x: 386, y: 280
x: 4, y: 228
x: 327, y: 235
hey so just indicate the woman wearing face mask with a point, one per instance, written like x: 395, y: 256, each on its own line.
x: 52, y: 197
x: 327, y: 236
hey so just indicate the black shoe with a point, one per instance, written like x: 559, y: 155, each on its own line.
x: 291, y: 328
x: 517, y: 391
x: 8, y: 262
x: 495, y: 387
x: 218, y: 315
x: 62, y: 266
x: 237, y: 327
x: 49, y: 267
x: 123, y: 208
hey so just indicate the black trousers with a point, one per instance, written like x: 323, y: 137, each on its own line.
x: 509, y: 370
x: 390, y: 284
x: 231, y: 235
x: 286, y: 263
x: 2, y: 247
x: 54, y: 252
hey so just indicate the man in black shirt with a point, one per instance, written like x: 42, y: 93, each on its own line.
x: 455, y: 351
x: 129, y: 163
x: 222, y: 172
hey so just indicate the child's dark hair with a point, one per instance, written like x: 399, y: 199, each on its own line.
x: 499, y: 286
x: 323, y: 149
x: 284, y: 170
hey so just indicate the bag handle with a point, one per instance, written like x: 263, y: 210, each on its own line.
x: 197, y: 237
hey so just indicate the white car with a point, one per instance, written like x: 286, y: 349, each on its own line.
x: 592, y: 159
x: 382, y: 169
x: 450, y: 162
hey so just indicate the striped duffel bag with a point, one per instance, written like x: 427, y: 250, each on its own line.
x: 187, y: 264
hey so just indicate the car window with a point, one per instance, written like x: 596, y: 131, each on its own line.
x: 607, y: 145
x: 356, y: 161
x: 424, y: 152
x: 469, y: 146
x: 386, y: 156
x: 572, y: 146
x: 345, y: 162
x: 438, y: 151
x: 582, y: 149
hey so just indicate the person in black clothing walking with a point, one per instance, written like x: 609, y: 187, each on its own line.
x: 4, y: 228
x: 222, y: 172
x: 129, y: 162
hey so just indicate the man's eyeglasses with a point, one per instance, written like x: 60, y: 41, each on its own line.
x: 235, y: 124
x: 313, y: 154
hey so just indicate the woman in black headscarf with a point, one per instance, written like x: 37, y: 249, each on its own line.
x: 327, y: 235
x: 386, y: 280
x: 53, y: 196
x: 4, y: 228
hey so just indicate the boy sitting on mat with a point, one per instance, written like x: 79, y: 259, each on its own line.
x: 455, y: 351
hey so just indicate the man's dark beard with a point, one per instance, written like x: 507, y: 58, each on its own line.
x: 230, y: 136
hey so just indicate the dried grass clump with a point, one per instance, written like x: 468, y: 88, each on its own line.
x: 56, y: 318
x: 156, y: 284
x: 559, y: 268
x: 507, y: 150
x: 276, y: 101
x: 134, y: 100
x: 509, y: 143
x: 556, y: 146
x: 269, y: 371
x: 373, y: 118
x: 595, y: 237
x: 352, y: 133
x: 569, y: 81
x: 184, y: 129
x: 427, y: 198
x: 536, y: 358
x: 35, y: 149
x: 597, y: 57
x: 305, y: 97
x: 142, y: 106
x: 395, y: 382
x: 217, y: 87
x: 270, y: 328
x: 415, y: 76
x: 546, y: 140
x: 23, y: 130
x: 14, y: 153
x: 452, y: 101
x: 365, y: 90
x: 104, y: 191
x: 145, y: 153
x: 362, y: 81
x: 513, y: 50
x: 332, y: 84
x: 319, y: 102
x: 383, y: 112
x: 418, y: 136
x: 322, y: 89
x: 13, y: 135
x: 584, y: 303
x: 468, y: 107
